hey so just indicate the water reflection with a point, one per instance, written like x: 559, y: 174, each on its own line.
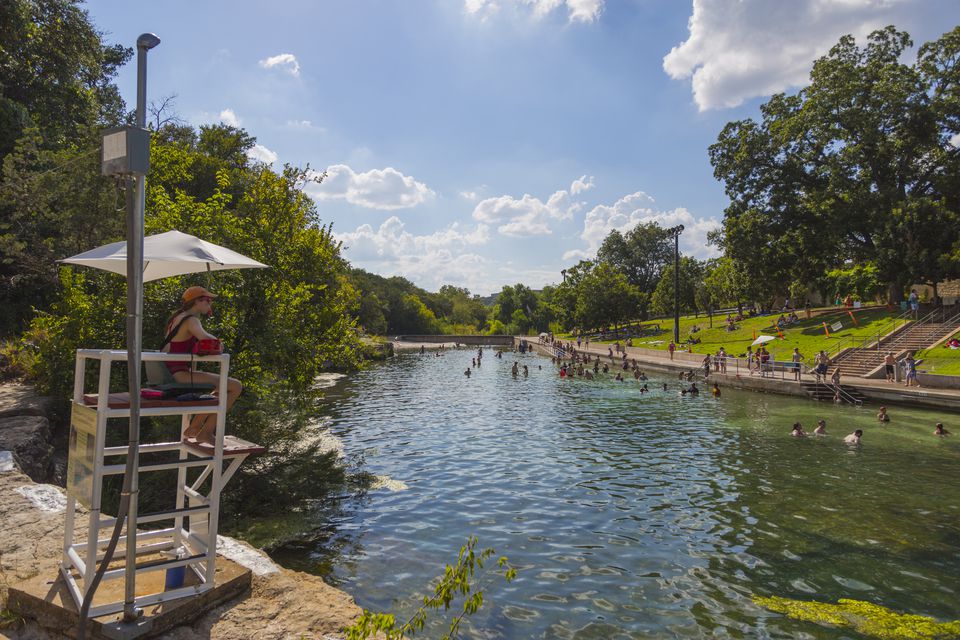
x: 632, y: 515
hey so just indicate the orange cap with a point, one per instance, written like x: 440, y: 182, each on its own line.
x: 196, y: 292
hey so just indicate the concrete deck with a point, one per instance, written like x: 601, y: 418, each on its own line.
x: 46, y: 600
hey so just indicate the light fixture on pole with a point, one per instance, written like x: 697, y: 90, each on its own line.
x: 675, y: 232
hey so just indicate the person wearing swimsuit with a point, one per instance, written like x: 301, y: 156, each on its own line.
x: 187, y: 330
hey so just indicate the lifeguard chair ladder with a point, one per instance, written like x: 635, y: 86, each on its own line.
x: 195, y: 517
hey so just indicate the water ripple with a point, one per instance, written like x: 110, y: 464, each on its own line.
x: 653, y: 515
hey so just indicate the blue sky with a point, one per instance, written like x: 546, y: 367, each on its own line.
x: 489, y: 142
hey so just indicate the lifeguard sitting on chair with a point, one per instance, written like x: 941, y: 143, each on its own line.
x: 183, y: 332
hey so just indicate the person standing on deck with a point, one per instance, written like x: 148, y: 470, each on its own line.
x: 797, y: 359
x: 910, y: 367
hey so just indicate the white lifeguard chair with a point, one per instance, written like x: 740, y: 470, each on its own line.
x: 192, y: 522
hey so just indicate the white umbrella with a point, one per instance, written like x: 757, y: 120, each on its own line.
x: 165, y: 255
x: 763, y: 340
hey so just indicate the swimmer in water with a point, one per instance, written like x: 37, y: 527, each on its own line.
x: 940, y: 431
x: 854, y: 438
x: 526, y: 371
x: 798, y: 431
x: 467, y: 373
x: 716, y: 390
x: 821, y: 429
x: 882, y: 416
x: 693, y: 389
x: 619, y: 377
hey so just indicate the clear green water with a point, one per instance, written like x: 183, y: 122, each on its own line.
x: 634, y: 516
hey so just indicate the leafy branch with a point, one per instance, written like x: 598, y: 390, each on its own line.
x: 455, y: 582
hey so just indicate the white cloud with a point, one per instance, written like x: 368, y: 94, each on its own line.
x: 386, y: 189
x: 638, y: 208
x: 304, y: 125
x: 581, y: 184
x: 527, y: 216
x: 481, y: 9
x: 577, y: 10
x: 741, y: 49
x: 284, y: 61
x: 429, y: 260
x: 260, y: 153
x: 468, y: 195
x: 227, y: 116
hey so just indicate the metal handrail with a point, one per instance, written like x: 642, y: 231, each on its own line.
x: 925, y: 321
x: 839, y: 390
x: 878, y: 343
x: 866, y: 341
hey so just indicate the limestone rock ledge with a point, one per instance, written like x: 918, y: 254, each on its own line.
x: 25, y: 429
x: 282, y: 605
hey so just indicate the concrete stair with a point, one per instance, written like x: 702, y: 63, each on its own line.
x: 825, y: 392
x: 913, y: 337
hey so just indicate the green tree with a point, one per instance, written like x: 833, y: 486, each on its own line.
x: 412, y: 316
x: 512, y: 298
x: 605, y: 297
x: 283, y: 326
x: 56, y: 71
x: 858, y: 166
x: 564, y: 297
x: 859, y: 280
x: 726, y: 282
x: 641, y: 254
x: 691, y: 275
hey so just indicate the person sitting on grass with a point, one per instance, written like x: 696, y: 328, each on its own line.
x: 940, y: 431
x: 854, y: 438
x: 798, y: 431
x: 183, y: 331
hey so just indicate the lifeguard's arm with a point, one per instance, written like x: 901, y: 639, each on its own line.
x: 196, y: 329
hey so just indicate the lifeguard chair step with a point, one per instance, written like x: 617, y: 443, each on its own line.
x: 232, y: 446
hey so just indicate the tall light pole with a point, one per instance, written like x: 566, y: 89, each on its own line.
x: 126, y: 154
x: 675, y: 232
x: 145, y: 42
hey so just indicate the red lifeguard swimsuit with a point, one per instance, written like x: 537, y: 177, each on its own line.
x: 180, y: 346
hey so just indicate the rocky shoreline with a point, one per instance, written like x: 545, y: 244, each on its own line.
x: 282, y: 604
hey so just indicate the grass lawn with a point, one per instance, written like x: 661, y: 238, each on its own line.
x: 940, y: 360
x: 807, y: 335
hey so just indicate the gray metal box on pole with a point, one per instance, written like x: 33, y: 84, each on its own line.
x: 126, y: 151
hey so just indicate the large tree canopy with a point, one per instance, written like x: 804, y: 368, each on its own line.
x: 857, y: 166
x: 640, y: 254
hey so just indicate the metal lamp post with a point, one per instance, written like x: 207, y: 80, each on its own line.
x: 145, y: 42
x: 126, y: 154
x: 675, y: 232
